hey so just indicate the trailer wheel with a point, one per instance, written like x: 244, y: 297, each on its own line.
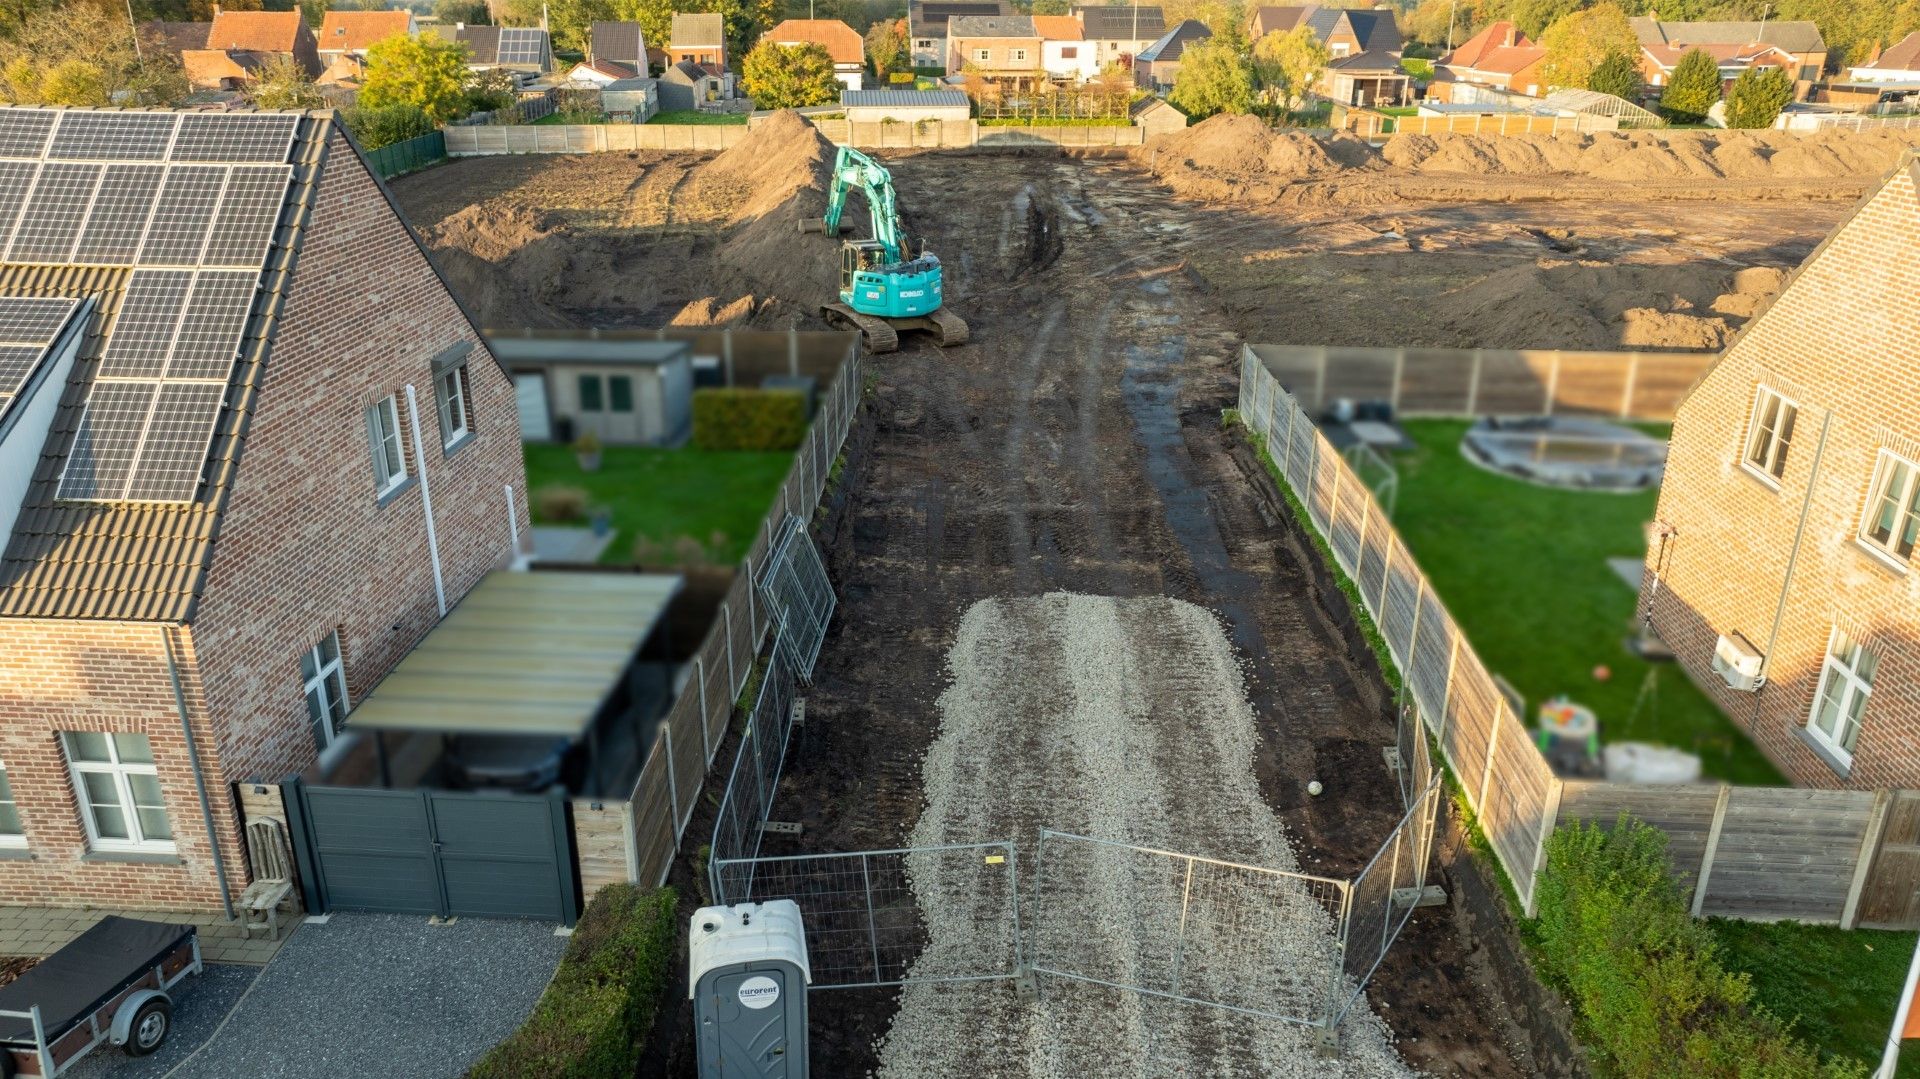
x: 150, y: 1027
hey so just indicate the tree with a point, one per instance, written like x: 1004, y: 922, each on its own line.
x: 491, y: 90
x: 425, y: 72
x: 1534, y: 16
x: 789, y: 76
x: 887, y: 48
x: 1287, y: 65
x: 281, y: 83
x: 1692, y: 89
x: 83, y: 55
x: 386, y: 125
x: 1757, y: 97
x: 1213, y: 78
x: 470, y: 12
x: 1581, y: 41
x: 571, y: 21
x: 1620, y: 76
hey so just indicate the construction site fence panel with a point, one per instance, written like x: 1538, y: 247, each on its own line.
x: 408, y: 155
x: 482, y: 139
x: 1758, y: 853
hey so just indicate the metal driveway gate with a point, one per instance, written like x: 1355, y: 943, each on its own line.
x: 433, y: 852
x: 795, y: 588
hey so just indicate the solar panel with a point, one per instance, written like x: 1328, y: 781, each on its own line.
x: 113, y: 136
x: 107, y: 440
x: 248, y: 212
x: 33, y: 320
x: 521, y: 45
x: 243, y: 137
x: 182, y: 215
x: 23, y: 132
x: 175, y: 449
x: 119, y: 218
x: 58, y: 206
x: 16, y: 363
x: 16, y: 179
x: 142, y: 334
x: 216, y: 314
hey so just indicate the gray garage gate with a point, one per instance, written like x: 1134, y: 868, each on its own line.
x: 433, y: 852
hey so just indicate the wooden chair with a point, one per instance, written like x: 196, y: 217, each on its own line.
x: 272, y: 867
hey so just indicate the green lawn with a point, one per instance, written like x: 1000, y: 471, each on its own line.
x: 1523, y: 570
x: 557, y: 118
x: 695, y: 116
x: 716, y: 498
x: 1839, y: 987
x: 1400, y: 110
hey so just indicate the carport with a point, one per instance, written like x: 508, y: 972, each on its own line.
x: 532, y: 689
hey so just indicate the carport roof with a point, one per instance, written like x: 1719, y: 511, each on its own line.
x: 524, y: 653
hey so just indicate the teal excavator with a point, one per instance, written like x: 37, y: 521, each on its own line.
x: 881, y: 290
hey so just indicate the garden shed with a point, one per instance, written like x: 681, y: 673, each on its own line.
x: 624, y: 391
x: 633, y: 101
x: 904, y: 106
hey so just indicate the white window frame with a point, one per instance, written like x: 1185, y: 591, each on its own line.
x: 329, y: 681
x: 119, y: 770
x: 1017, y: 56
x: 1777, y: 448
x: 456, y: 413
x: 389, y: 451
x: 982, y: 56
x: 1887, y: 551
x: 12, y: 839
x: 1851, y: 687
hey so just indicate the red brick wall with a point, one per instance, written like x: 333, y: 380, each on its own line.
x: 1841, y: 340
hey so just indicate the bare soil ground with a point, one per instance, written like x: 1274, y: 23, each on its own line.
x: 1075, y: 444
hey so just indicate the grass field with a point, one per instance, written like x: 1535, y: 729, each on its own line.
x: 1840, y: 988
x: 716, y: 499
x: 1553, y: 611
x: 695, y: 116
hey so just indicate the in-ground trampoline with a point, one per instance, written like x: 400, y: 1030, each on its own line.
x: 1564, y: 451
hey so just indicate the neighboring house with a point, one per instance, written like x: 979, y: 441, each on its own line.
x: 241, y: 378
x: 1003, y: 49
x: 1785, y: 538
x: 172, y: 39
x: 1500, y: 57
x: 240, y: 42
x: 1065, y: 54
x: 1344, y: 31
x: 1901, y: 63
x: 524, y: 50
x: 927, y: 25
x: 699, y: 39
x: 841, y: 41
x: 1367, y: 78
x: 1658, y: 61
x: 1116, y: 34
x: 687, y: 85
x: 1159, y: 63
x: 905, y: 106
x: 1801, y: 42
x: 633, y: 101
x: 620, y: 42
x: 351, y: 33
x: 598, y: 73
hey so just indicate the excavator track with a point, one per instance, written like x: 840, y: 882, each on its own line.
x: 877, y: 333
x: 950, y: 329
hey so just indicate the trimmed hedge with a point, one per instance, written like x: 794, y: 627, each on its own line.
x: 594, y: 1018
x: 747, y: 419
x: 1645, y: 980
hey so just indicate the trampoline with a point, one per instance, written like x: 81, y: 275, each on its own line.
x: 1560, y: 451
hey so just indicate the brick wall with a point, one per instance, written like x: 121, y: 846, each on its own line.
x: 1840, y: 340
x: 1000, y: 55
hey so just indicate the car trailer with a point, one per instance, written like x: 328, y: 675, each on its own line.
x: 108, y: 985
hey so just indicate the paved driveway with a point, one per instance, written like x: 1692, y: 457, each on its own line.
x: 363, y: 994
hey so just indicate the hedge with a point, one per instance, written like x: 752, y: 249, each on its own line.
x: 594, y: 1018
x: 745, y: 419
x: 1645, y: 980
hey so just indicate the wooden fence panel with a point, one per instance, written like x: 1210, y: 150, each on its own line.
x: 689, y: 756
x: 653, y: 830
x: 1787, y: 853
x: 1589, y: 384
x: 1662, y: 379
x: 600, y: 844
x: 1349, y: 509
x: 1684, y: 813
x: 1402, y: 607
x: 1891, y: 899
x: 1514, y: 815
x: 1377, y: 534
x: 1432, y: 657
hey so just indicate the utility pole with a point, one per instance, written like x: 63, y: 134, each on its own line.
x: 1452, y: 9
x: 135, y: 27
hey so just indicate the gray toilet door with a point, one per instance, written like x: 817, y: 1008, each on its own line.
x: 750, y: 1028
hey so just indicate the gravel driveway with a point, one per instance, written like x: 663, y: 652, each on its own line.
x: 364, y: 994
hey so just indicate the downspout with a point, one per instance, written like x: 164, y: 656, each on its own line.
x: 199, y: 778
x: 426, y: 501
x: 1793, y: 559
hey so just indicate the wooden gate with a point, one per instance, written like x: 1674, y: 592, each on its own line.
x: 1891, y: 899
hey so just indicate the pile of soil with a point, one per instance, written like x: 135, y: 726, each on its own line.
x: 1598, y: 305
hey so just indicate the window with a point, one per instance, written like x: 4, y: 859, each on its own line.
x: 1017, y: 55
x: 1892, y: 520
x: 11, y: 834
x: 1771, y: 434
x: 620, y: 393
x: 324, y: 681
x: 981, y: 56
x: 591, y: 399
x: 119, y: 791
x: 456, y: 422
x: 1846, y: 681
x: 1338, y: 48
x: 1069, y: 52
x: 924, y: 43
x: 383, y: 431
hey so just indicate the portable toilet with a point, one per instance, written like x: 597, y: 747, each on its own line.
x: 747, y: 976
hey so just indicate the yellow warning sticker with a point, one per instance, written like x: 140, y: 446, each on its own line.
x: 996, y: 859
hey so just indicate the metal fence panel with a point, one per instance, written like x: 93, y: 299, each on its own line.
x: 752, y: 783
x: 1384, y: 896
x: 798, y: 595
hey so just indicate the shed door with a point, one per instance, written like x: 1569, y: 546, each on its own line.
x: 530, y: 394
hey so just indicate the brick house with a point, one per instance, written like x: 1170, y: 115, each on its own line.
x: 352, y: 33
x: 239, y: 42
x: 1117, y: 34
x: 1785, y: 535
x: 1803, y: 52
x: 1500, y: 57
x: 1344, y: 31
x: 1158, y: 65
x: 1003, y: 49
x: 927, y: 25
x: 842, y: 42
x: 220, y: 533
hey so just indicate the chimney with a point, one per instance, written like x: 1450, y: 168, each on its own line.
x: 1513, y: 36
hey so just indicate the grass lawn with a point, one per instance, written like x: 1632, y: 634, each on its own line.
x: 1839, y: 987
x: 1400, y: 110
x: 1523, y: 570
x: 559, y: 118
x: 665, y: 495
x: 695, y: 116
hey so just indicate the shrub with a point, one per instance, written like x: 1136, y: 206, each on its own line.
x: 746, y: 419
x: 560, y: 503
x: 1644, y: 978
x: 386, y: 125
x: 596, y: 1013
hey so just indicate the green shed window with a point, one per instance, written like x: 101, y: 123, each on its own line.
x: 590, y: 393
x: 620, y: 391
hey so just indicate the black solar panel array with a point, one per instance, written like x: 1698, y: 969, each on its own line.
x: 191, y: 202
x: 522, y: 45
x: 28, y: 325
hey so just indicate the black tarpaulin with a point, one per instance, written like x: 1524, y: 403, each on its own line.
x: 95, y: 966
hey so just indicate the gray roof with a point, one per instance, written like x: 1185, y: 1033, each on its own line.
x: 902, y: 98
x: 1786, y: 33
x: 928, y: 18
x: 1371, y: 60
x: 558, y: 349
x: 621, y: 86
x: 1110, y: 21
x: 621, y: 42
x: 699, y: 31
x: 1175, y: 42
x: 990, y: 26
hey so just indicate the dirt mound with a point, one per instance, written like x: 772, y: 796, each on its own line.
x: 1239, y: 157
x: 1593, y: 305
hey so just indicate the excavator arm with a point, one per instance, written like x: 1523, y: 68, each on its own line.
x: 854, y: 170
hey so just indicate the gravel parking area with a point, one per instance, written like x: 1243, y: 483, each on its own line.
x: 1121, y: 719
x: 379, y: 994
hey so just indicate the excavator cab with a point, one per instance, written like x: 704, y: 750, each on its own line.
x: 858, y: 255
